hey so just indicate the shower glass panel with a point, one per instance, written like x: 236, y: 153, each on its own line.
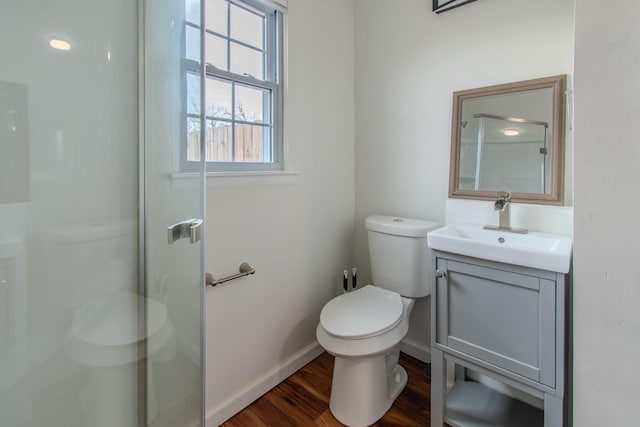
x: 175, y: 273
x: 99, y: 317
x: 504, y: 154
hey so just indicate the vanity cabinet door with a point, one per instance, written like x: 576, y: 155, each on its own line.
x: 503, y: 318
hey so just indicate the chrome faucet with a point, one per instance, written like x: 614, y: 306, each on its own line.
x: 502, y: 204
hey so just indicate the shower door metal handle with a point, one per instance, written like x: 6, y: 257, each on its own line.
x: 195, y: 231
x: 191, y: 228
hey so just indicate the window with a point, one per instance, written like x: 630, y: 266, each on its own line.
x: 243, y: 85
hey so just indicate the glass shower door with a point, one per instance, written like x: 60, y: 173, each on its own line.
x: 69, y: 263
x: 174, y: 206
x: 100, y: 318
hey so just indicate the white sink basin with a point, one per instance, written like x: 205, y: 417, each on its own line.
x: 538, y: 250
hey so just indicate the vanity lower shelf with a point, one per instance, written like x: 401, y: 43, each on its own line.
x: 472, y: 404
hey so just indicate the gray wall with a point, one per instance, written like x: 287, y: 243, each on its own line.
x: 607, y: 234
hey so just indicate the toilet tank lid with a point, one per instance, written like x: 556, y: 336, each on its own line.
x: 97, y: 230
x: 400, y: 226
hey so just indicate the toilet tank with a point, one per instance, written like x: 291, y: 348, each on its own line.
x: 84, y: 262
x: 399, y: 255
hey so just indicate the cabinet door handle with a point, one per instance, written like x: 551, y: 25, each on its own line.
x: 440, y: 274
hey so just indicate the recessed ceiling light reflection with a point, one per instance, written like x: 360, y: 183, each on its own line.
x: 60, y: 44
x: 512, y: 132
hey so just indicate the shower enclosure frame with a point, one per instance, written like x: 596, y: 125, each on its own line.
x: 143, y: 242
x: 481, y: 142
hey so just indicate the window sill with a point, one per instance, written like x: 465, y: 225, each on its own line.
x: 229, y: 179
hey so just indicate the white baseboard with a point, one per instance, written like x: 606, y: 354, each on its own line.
x: 415, y: 349
x: 238, y: 401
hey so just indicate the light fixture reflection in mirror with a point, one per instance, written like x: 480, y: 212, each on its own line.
x: 509, y: 138
x: 59, y: 44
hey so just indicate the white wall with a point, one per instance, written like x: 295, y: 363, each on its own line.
x: 408, y: 62
x: 297, y: 231
x: 607, y: 235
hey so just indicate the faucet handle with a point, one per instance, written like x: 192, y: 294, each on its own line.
x: 504, y: 195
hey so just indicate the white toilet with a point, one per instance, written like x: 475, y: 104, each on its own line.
x: 92, y: 268
x: 363, y: 328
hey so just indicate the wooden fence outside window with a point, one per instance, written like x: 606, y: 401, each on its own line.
x: 248, y: 145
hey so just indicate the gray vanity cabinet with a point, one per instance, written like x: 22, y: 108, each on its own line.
x: 505, y: 322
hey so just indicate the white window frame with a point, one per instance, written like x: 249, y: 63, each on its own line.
x: 273, y: 70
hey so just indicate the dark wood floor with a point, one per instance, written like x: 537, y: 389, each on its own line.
x: 303, y: 399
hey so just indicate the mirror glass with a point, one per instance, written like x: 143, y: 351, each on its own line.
x: 509, y: 137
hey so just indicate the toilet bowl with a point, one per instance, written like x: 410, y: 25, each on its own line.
x: 92, y: 271
x: 105, y: 336
x: 362, y: 329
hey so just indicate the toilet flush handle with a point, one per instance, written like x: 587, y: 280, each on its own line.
x: 440, y: 274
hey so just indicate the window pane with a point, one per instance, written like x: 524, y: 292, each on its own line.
x: 216, y: 51
x: 193, y: 94
x: 192, y: 43
x: 192, y: 11
x: 246, y: 61
x: 218, y: 142
x: 216, y: 19
x: 218, y: 98
x: 250, y: 103
x: 193, y: 139
x: 247, y: 27
x: 241, y: 125
x: 252, y: 143
x: 267, y: 144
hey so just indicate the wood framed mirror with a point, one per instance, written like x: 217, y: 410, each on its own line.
x: 510, y: 137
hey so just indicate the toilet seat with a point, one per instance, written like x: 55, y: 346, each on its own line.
x: 112, y: 320
x: 104, y: 332
x: 105, y: 336
x: 363, y: 313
